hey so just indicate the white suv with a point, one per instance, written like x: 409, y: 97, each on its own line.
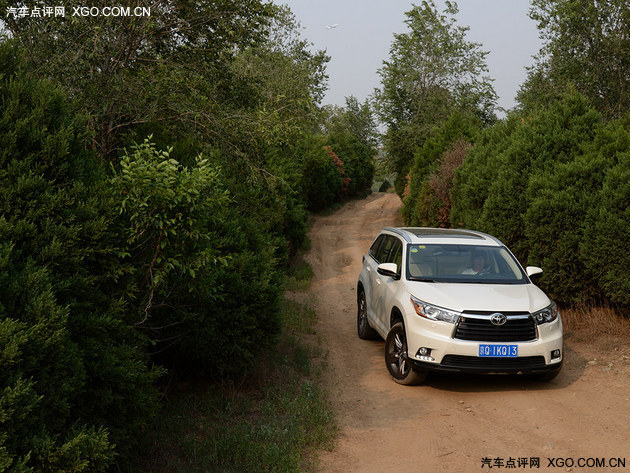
x: 455, y: 300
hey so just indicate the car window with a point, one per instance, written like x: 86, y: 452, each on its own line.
x: 463, y: 263
x: 384, y: 250
x: 395, y: 255
x: 375, y: 246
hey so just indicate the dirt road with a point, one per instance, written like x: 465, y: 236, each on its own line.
x: 452, y: 423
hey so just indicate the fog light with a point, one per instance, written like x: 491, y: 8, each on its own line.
x: 555, y: 354
x: 424, y: 354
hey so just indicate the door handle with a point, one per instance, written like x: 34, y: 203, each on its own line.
x: 378, y: 281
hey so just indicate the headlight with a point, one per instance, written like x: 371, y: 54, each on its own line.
x: 433, y: 312
x: 548, y: 314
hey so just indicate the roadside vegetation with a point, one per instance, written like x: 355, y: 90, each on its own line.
x: 156, y: 176
x: 551, y: 179
x: 275, y: 419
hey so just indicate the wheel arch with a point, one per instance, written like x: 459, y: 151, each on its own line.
x: 395, y: 317
x: 359, y: 289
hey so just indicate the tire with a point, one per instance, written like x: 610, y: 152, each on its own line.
x: 364, y: 330
x: 398, y: 365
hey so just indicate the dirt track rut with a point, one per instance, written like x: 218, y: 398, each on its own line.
x: 452, y: 423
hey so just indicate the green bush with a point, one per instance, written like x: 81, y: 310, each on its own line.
x: 433, y: 204
x: 473, y: 179
x: 551, y: 186
x: 426, y: 162
x: 204, y: 286
x: 385, y: 186
x: 545, y: 139
x: 554, y: 225
x: 74, y: 390
x: 357, y: 160
x: 322, y: 181
x: 605, y: 246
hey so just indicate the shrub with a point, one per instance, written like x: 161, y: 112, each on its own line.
x: 205, y: 286
x: 433, y: 204
x: 322, y: 181
x: 385, y: 186
x: 473, y: 179
x: 357, y: 160
x: 545, y: 139
x: 74, y: 389
x: 605, y: 246
x: 427, y: 160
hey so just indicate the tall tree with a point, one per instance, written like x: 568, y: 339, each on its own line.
x: 432, y: 70
x: 352, y: 133
x: 171, y: 66
x: 586, y: 43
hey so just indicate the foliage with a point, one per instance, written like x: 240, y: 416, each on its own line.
x: 604, y: 248
x: 432, y: 71
x: 171, y: 67
x: 172, y: 213
x: 587, y: 44
x: 352, y: 135
x: 427, y: 160
x: 205, y: 286
x: 550, y: 185
x: 472, y: 181
x: 322, y: 180
x: 433, y: 204
x: 276, y: 421
x: 74, y: 381
x: 385, y: 186
x: 549, y: 137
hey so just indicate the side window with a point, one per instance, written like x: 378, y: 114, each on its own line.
x: 382, y: 256
x: 396, y: 254
x: 375, y: 246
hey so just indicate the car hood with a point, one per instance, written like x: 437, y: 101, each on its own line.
x: 481, y: 297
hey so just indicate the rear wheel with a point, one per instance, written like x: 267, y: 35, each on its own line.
x: 363, y: 326
x: 398, y: 364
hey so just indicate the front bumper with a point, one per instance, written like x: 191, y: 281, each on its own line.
x: 460, y: 364
x: 449, y: 354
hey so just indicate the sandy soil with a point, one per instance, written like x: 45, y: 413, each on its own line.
x: 453, y: 422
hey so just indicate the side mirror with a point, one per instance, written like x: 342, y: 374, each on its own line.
x: 388, y: 269
x: 533, y: 270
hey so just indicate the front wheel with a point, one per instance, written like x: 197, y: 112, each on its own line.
x: 398, y: 364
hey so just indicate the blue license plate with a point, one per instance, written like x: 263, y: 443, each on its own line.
x: 502, y: 351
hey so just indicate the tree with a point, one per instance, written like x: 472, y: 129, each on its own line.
x: 170, y: 67
x: 75, y: 389
x: 352, y: 134
x: 204, y: 285
x: 427, y: 160
x: 587, y: 44
x: 432, y: 70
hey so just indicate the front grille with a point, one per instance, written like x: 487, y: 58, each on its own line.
x: 488, y: 363
x: 520, y: 327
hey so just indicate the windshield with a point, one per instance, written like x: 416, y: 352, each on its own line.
x: 463, y: 263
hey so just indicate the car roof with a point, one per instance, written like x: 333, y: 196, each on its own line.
x: 444, y: 235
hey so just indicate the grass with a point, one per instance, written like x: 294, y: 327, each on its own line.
x: 299, y: 275
x: 273, y: 420
x: 594, y: 323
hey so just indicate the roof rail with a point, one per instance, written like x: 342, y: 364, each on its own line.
x: 399, y: 232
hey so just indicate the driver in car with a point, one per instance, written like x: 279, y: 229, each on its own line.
x: 478, y: 263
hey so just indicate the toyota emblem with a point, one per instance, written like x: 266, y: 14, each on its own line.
x: 498, y: 318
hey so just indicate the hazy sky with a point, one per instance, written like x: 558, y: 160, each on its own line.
x: 361, y: 41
